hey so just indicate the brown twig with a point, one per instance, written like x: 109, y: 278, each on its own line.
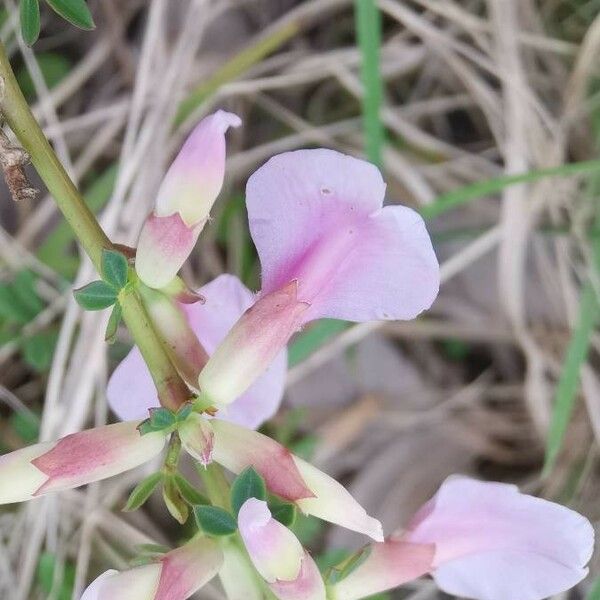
x: 13, y: 159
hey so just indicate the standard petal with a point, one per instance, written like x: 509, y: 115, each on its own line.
x: 131, y: 392
x: 274, y: 550
x: 387, y: 565
x: 163, y: 246
x: 308, y: 585
x: 492, y: 542
x: 75, y: 460
x: 290, y: 477
x: 315, y: 217
x: 334, y: 503
x: 251, y: 346
x: 194, y: 179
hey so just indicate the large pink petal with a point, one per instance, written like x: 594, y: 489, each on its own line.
x: 492, y: 542
x: 308, y: 585
x: 131, y: 392
x: 316, y: 216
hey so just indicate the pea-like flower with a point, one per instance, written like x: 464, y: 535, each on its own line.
x: 278, y: 555
x: 131, y: 392
x: 481, y: 540
x: 185, y: 197
x: 328, y: 248
x: 75, y: 460
x: 175, y: 576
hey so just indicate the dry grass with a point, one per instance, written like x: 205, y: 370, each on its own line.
x: 473, y: 89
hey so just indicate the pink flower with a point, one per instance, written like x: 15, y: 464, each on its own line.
x: 278, y: 555
x: 327, y: 249
x: 185, y: 197
x: 291, y: 478
x: 489, y: 542
x: 75, y: 460
x: 176, y: 576
x: 131, y: 391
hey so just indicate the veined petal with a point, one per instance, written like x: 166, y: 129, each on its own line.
x: 316, y: 217
x: 176, y: 576
x: 308, y: 585
x: 163, y: 246
x: 334, y: 503
x: 75, y: 460
x: 131, y: 392
x: 251, y: 345
x: 493, y: 543
x: 290, y: 477
x: 194, y: 179
x: 388, y: 565
x: 197, y: 437
x: 274, y: 550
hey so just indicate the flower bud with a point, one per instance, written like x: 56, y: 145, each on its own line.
x: 75, y: 460
x: 251, y: 345
x: 185, y: 197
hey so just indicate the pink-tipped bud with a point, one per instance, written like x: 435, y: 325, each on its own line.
x: 176, y: 576
x: 251, y: 345
x: 278, y: 555
x: 75, y: 460
x: 197, y: 437
x: 185, y: 198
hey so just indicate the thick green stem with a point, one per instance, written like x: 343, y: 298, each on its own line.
x: 172, y: 390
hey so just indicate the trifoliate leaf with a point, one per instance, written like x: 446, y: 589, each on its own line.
x: 214, y: 520
x: 161, y: 418
x: 30, y: 20
x: 248, y: 484
x: 142, y: 492
x: 114, y: 268
x: 96, y: 295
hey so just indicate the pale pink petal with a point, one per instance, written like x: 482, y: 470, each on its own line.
x: 274, y: 550
x: 236, y: 448
x: 20, y: 478
x: 194, y: 179
x: 388, y: 565
x: 290, y: 477
x: 163, y: 246
x: 131, y: 392
x: 308, y: 585
x: 334, y: 503
x: 251, y: 345
x: 316, y: 217
x: 94, y: 454
x: 197, y: 437
x: 493, y: 543
x: 92, y: 592
x: 188, y: 568
x: 134, y: 584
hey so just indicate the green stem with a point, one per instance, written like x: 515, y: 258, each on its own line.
x: 172, y: 391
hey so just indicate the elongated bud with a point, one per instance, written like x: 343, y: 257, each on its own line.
x: 290, y: 477
x: 75, y: 460
x: 278, y: 555
x: 251, y: 345
x: 383, y: 567
x: 185, y: 197
x: 176, y: 576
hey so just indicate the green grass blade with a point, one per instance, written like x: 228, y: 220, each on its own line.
x: 235, y: 67
x: 467, y: 193
x: 313, y: 338
x: 368, y: 31
x: 594, y: 593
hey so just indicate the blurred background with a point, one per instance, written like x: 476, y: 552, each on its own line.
x: 483, y: 114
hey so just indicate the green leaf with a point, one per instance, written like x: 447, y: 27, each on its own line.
x: 113, y: 323
x: 344, y: 569
x: 161, y: 418
x: 96, y: 295
x: 114, y: 268
x: 26, y: 425
x: 30, y: 20
x: 38, y: 350
x: 594, y: 593
x: 184, y: 412
x: 74, y: 11
x: 214, y: 520
x: 52, y: 576
x: 188, y: 492
x: 142, y: 492
x: 284, y: 512
x: 175, y: 502
x: 313, y: 338
x: 248, y: 484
